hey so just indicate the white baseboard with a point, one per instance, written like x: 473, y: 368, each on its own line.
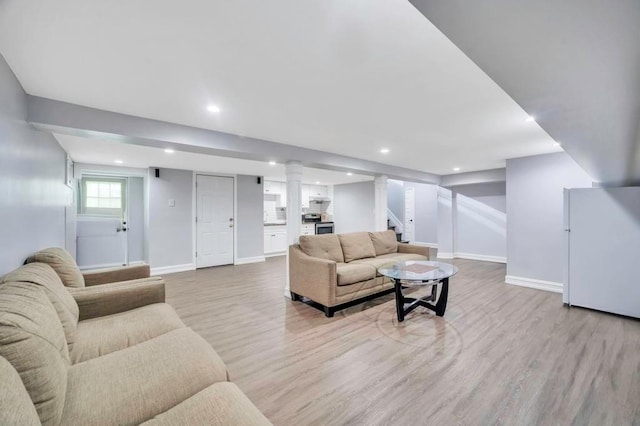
x: 162, y: 270
x: 532, y: 283
x: 137, y: 262
x: 445, y: 255
x: 244, y: 260
x: 482, y: 257
x: 280, y: 253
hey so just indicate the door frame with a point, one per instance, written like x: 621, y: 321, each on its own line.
x: 194, y: 213
x: 80, y: 169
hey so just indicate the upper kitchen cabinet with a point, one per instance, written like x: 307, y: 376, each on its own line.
x: 317, y: 191
x: 274, y: 188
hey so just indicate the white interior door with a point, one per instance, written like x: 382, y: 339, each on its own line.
x: 409, y: 215
x: 101, y: 223
x: 214, y: 221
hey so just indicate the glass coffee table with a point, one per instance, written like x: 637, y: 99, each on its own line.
x: 420, y: 273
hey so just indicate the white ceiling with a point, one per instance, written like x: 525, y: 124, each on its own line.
x: 343, y: 76
x: 92, y: 151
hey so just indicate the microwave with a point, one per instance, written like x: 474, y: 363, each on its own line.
x: 324, y: 228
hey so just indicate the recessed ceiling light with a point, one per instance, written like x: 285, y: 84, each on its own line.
x: 556, y: 144
x: 169, y: 151
x: 118, y: 161
x: 349, y: 174
x: 456, y: 169
x: 317, y: 182
x: 529, y: 119
x: 213, y: 108
x: 384, y: 151
x: 272, y: 163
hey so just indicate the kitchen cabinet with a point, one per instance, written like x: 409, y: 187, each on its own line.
x: 272, y: 187
x: 275, y: 240
x: 318, y: 191
x: 308, y: 229
x: 305, y: 196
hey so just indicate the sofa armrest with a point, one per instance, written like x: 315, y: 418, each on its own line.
x: 413, y: 249
x: 312, y: 277
x: 114, y: 275
x: 118, y: 297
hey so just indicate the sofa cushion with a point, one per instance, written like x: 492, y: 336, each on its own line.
x: 138, y: 383
x: 325, y: 246
x: 103, y: 335
x: 354, y: 273
x: 43, y: 275
x: 32, y: 340
x: 220, y: 404
x: 16, y: 407
x: 357, y: 289
x: 388, y: 259
x: 384, y: 242
x: 62, y: 262
x: 356, y: 245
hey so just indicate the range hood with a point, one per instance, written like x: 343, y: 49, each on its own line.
x: 319, y: 200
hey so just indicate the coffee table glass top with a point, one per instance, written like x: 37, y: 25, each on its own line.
x: 418, y: 270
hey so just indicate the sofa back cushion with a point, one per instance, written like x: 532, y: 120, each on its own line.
x: 32, y: 340
x: 325, y: 246
x: 62, y: 262
x: 16, y: 407
x: 356, y: 245
x: 44, y: 276
x: 384, y: 242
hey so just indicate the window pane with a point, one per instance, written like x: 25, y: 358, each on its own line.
x: 116, y: 192
x: 114, y: 203
x: 103, y: 203
x: 104, y: 190
x: 92, y: 202
x: 92, y: 189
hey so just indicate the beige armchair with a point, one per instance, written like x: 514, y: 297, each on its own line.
x: 69, y: 272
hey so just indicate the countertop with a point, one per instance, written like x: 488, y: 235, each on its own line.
x: 282, y: 223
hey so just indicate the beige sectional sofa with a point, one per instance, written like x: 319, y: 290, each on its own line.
x: 86, y: 357
x: 339, y: 270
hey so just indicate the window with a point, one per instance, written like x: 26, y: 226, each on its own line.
x: 102, y: 196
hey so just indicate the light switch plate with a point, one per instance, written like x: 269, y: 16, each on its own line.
x: 172, y: 203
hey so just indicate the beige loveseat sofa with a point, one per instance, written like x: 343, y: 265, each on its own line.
x: 339, y: 270
x: 102, y: 362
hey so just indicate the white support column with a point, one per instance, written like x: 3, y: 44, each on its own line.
x: 294, y: 209
x: 380, y: 213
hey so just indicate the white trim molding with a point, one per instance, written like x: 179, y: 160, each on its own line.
x: 482, y: 257
x: 89, y: 268
x: 276, y: 254
x: 245, y: 260
x: 552, y: 286
x: 162, y: 270
x: 445, y: 255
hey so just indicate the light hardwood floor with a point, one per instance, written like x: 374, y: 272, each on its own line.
x: 500, y: 355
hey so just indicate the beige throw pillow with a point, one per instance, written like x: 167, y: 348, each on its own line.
x: 384, y: 242
x: 356, y: 245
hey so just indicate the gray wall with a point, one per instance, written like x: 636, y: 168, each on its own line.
x: 170, y: 239
x: 249, y: 223
x: 354, y: 205
x: 535, y: 209
x: 445, y: 221
x: 33, y: 194
x: 480, y: 219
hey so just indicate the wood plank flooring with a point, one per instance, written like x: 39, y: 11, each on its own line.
x: 500, y: 355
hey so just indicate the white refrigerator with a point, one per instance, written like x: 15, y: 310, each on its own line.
x: 602, y: 230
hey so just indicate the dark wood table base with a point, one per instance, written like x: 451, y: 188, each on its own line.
x: 439, y: 307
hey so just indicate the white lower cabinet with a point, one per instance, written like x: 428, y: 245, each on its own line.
x: 308, y: 229
x: 275, y: 240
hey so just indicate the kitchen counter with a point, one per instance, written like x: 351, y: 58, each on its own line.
x: 278, y: 223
